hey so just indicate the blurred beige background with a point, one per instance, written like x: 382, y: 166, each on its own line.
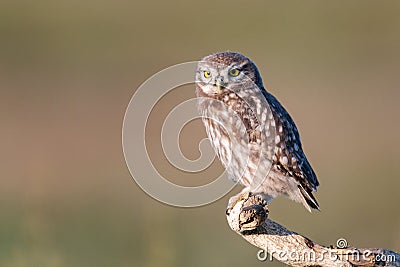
x: 69, y: 68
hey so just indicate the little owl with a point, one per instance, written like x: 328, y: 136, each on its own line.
x: 251, y: 132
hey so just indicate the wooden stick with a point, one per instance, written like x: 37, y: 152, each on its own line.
x: 248, y: 217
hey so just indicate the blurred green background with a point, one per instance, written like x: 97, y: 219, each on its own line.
x: 69, y: 68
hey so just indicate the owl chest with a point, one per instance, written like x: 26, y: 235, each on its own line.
x: 236, y: 152
x: 238, y: 106
x: 221, y: 140
x: 232, y: 137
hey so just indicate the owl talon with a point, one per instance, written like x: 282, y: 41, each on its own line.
x: 228, y: 212
x: 253, y: 213
x: 236, y: 199
x: 252, y: 216
x: 253, y: 210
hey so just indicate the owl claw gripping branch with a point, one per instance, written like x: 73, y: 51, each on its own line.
x: 251, y: 132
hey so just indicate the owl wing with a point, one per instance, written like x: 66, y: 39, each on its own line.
x: 289, y: 156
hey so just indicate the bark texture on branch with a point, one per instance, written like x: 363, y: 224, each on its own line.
x: 248, y: 217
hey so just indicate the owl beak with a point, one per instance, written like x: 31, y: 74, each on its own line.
x: 220, y: 83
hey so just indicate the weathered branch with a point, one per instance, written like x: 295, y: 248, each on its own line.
x: 248, y: 217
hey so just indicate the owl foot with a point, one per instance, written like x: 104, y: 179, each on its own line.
x: 242, y: 196
x: 253, y: 213
x: 253, y: 210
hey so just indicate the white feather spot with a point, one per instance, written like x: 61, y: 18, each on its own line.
x: 277, y: 139
x: 284, y: 160
x: 280, y: 128
x: 263, y: 117
x: 296, y: 147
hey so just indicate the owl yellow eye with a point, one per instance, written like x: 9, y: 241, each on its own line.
x: 206, y: 74
x: 234, y: 72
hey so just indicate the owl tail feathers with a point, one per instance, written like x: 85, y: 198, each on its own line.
x: 308, y: 200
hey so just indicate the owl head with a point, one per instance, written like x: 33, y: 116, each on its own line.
x: 223, y: 71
